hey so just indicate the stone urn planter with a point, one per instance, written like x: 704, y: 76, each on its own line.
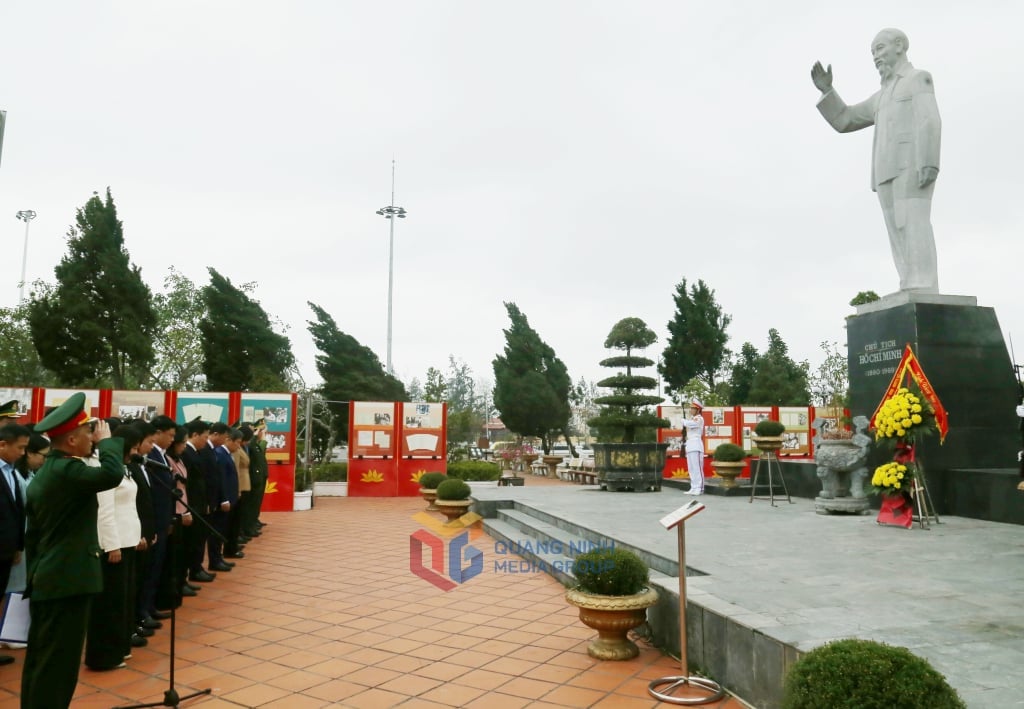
x: 613, y: 596
x: 728, y: 471
x: 428, y: 488
x: 612, y: 617
x: 430, y: 496
x: 630, y: 466
x: 452, y: 509
x: 528, y: 460
x: 552, y: 461
x: 453, y: 498
x: 768, y: 443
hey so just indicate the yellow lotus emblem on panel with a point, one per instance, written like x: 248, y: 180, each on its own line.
x: 417, y: 475
x: 271, y: 487
x: 680, y: 473
x: 372, y: 476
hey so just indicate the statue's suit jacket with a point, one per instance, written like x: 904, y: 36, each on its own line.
x: 906, y: 119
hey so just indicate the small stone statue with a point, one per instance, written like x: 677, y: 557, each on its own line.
x: 905, y: 159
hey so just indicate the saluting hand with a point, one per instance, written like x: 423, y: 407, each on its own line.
x: 101, y: 431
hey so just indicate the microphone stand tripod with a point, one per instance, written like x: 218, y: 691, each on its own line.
x: 171, y: 698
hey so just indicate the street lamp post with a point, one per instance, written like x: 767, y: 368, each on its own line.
x: 25, y: 215
x: 389, y: 213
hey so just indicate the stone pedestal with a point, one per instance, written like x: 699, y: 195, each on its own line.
x: 961, y: 349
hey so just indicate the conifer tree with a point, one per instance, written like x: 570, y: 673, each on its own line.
x: 531, y: 385
x: 96, y: 325
x: 351, y: 371
x: 241, y: 351
x: 696, y: 341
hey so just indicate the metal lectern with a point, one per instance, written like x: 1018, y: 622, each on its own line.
x: 663, y: 688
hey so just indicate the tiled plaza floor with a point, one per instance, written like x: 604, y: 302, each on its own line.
x: 324, y: 612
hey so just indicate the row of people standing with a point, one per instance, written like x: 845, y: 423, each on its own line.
x: 137, y: 540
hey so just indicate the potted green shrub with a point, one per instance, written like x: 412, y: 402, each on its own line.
x: 768, y: 435
x: 613, y: 596
x: 622, y: 462
x: 428, y: 488
x: 453, y: 498
x: 728, y: 462
x: 865, y: 673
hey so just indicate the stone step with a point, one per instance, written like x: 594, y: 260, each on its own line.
x: 556, y: 545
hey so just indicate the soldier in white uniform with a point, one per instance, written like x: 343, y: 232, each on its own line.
x: 694, y: 426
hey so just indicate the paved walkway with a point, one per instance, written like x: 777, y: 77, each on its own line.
x: 953, y: 594
x: 324, y: 612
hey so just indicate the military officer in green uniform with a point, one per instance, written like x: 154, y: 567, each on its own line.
x: 63, y: 550
x: 9, y: 413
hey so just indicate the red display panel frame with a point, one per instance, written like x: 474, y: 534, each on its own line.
x: 423, y: 427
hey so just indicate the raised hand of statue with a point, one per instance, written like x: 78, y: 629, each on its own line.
x: 822, y: 78
x: 926, y: 176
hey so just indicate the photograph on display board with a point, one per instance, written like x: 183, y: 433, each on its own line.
x: 23, y: 396
x: 373, y: 428
x: 422, y: 429
x: 750, y: 417
x: 210, y: 407
x: 795, y: 438
x: 422, y: 415
x: 275, y: 412
x: 136, y: 405
x: 673, y: 435
x: 56, y: 397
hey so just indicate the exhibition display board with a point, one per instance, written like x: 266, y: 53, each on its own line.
x: 735, y: 424
x: 391, y: 444
x: 277, y: 409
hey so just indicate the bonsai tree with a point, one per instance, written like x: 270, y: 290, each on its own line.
x: 626, y: 411
x: 608, y: 571
x: 767, y: 427
x: 864, y: 673
x: 728, y: 453
x: 453, y: 489
x: 430, y: 481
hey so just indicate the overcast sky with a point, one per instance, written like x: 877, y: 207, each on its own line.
x: 576, y: 158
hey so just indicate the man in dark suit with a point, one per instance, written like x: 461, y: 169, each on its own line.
x: 159, y: 471
x: 63, y: 550
x: 198, y: 498
x: 13, y: 439
x: 216, y: 490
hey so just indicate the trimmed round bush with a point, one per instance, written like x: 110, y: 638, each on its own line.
x: 453, y: 489
x: 729, y: 453
x: 476, y: 470
x: 767, y: 427
x: 610, y: 572
x: 864, y: 674
x: 430, y: 481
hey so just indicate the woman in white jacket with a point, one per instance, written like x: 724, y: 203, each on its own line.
x: 111, y: 616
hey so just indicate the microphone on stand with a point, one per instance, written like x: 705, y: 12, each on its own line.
x: 142, y: 460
